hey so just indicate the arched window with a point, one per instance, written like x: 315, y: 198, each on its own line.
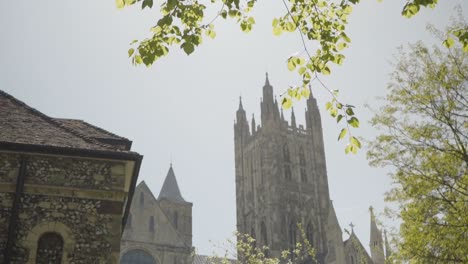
x: 303, y: 175
x: 301, y: 156
x: 292, y: 234
x: 137, y: 256
x: 310, y: 234
x: 302, y: 164
x: 263, y: 234
x: 176, y: 220
x: 286, y: 155
x: 49, y: 249
x: 142, y: 199
x: 151, y: 224
x: 262, y: 156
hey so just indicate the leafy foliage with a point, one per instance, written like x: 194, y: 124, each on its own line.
x: 424, y: 138
x: 182, y: 23
x: 248, y: 252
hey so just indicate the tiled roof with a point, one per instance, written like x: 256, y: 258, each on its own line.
x: 21, y: 124
x: 202, y: 259
x: 95, y: 132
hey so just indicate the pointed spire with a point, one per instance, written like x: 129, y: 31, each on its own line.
x: 376, y: 243
x: 240, y: 103
x: 388, y: 249
x: 253, y: 123
x: 310, y: 90
x: 293, y: 118
x: 170, y: 189
x: 267, y: 82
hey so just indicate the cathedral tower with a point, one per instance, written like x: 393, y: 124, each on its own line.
x: 281, y: 177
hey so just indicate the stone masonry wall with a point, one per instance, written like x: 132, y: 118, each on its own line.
x: 95, y: 233
x: 92, y: 226
x: 73, y: 172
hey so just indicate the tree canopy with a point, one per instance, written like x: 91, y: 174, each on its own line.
x: 184, y: 24
x: 424, y: 139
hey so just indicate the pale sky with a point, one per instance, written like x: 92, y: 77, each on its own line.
x: 69, y: 59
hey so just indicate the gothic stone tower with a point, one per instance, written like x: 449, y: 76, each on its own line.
x: 281, y: 177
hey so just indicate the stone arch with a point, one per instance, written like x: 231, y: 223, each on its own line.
x: 143, y: 248
x: 138, y: 256
x: 31, y: 241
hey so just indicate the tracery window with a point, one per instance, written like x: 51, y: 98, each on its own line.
x: 151, y: 224
x: 302, y: 164
x: 301, y: 156
x: 309, y: 233
x: 137, y: 256
x: 263, y: 233
x: 286, y: 156
x: 292, y: 234
x: 49, y: 249
x: 287, y: 162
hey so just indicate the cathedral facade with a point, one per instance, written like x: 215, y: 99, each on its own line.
x: 281, y: 182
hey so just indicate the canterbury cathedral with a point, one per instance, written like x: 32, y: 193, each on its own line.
x: 69, y: 193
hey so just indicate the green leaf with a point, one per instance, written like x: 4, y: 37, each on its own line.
x: 129, y: 2
x: 138, y: 59
x: 130, y: 52
x: 291, y: 65
x: 448, y: 42
x: 347, y: 149
x: 338, y: 118
x: 328, y: 105
x: 120, y: 4
x: 342, y: 133
x: 275, y: 22
x: 302, y: 70
x: 277, y: 31
x: 355, y: 142
x: 326, y: 70
x: 354, y: 122
x: 341, y: 46
x: 349, y: 111
x: 305, y: 92
x: 286, y: 103
x: 188, y: 47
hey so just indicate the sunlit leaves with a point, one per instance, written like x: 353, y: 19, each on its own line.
x: 423, y: 142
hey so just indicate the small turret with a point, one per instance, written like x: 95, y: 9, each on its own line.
x: 241, y: 127
x: 388, y: 249
x: 376, y: 243
x: 253, y: 124
x: 269, y: 106
x: 170, y: 189
x: 293, y: 118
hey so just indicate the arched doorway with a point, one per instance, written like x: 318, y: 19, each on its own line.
x: 137, y: 256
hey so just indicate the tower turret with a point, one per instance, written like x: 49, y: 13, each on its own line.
x: 376, y: 243
x: 241, y: 128
x: 269, y: 108
x: 254, y: 126
x: 388, y: 249
x: 293, y: 118
x: 178, y: 211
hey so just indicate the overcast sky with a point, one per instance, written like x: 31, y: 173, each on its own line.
x: 69, y: 59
